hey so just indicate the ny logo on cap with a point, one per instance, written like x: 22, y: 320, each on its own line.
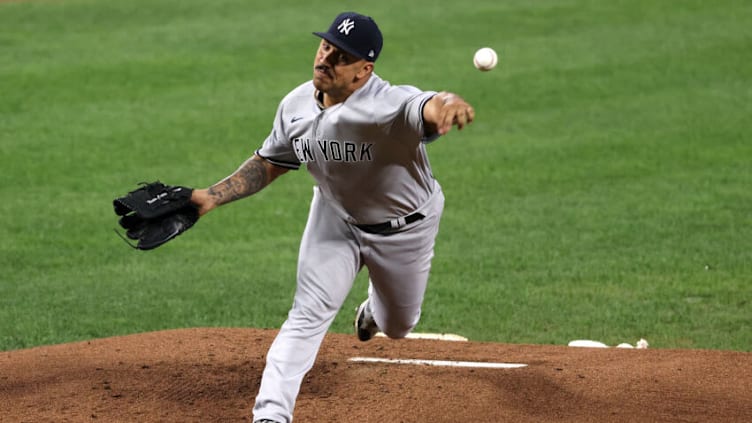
x: 346, y: 26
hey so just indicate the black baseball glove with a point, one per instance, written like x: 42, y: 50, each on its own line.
x: 155, y: 213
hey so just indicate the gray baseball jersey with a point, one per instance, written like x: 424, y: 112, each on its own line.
x: 366, y: 153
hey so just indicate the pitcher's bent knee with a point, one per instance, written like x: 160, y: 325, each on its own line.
x: 398, y: 330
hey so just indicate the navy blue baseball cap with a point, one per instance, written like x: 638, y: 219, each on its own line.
x: 356, y: 34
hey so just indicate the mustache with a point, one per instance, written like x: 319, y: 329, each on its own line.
x: 322, y: 68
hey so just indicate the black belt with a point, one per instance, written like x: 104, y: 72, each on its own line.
x: 386, y: 227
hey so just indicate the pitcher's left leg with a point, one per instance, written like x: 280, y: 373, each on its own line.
x: 398, y: 266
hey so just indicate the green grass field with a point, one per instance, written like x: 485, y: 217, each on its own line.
x: 604, y: 191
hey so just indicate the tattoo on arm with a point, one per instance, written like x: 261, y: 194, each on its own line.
x: 249, y: 179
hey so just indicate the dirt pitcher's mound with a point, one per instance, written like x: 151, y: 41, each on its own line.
x: 212, y: 375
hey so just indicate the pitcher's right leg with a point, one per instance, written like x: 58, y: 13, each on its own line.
x: 328, y: 262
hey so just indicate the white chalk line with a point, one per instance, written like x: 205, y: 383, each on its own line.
x: 441, y: 363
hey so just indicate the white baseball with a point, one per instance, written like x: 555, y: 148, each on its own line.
x: 485, y: 59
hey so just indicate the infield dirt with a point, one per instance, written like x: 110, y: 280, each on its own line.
x: 212, y: 375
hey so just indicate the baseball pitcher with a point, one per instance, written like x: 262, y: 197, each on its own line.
x: 376, y: 203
